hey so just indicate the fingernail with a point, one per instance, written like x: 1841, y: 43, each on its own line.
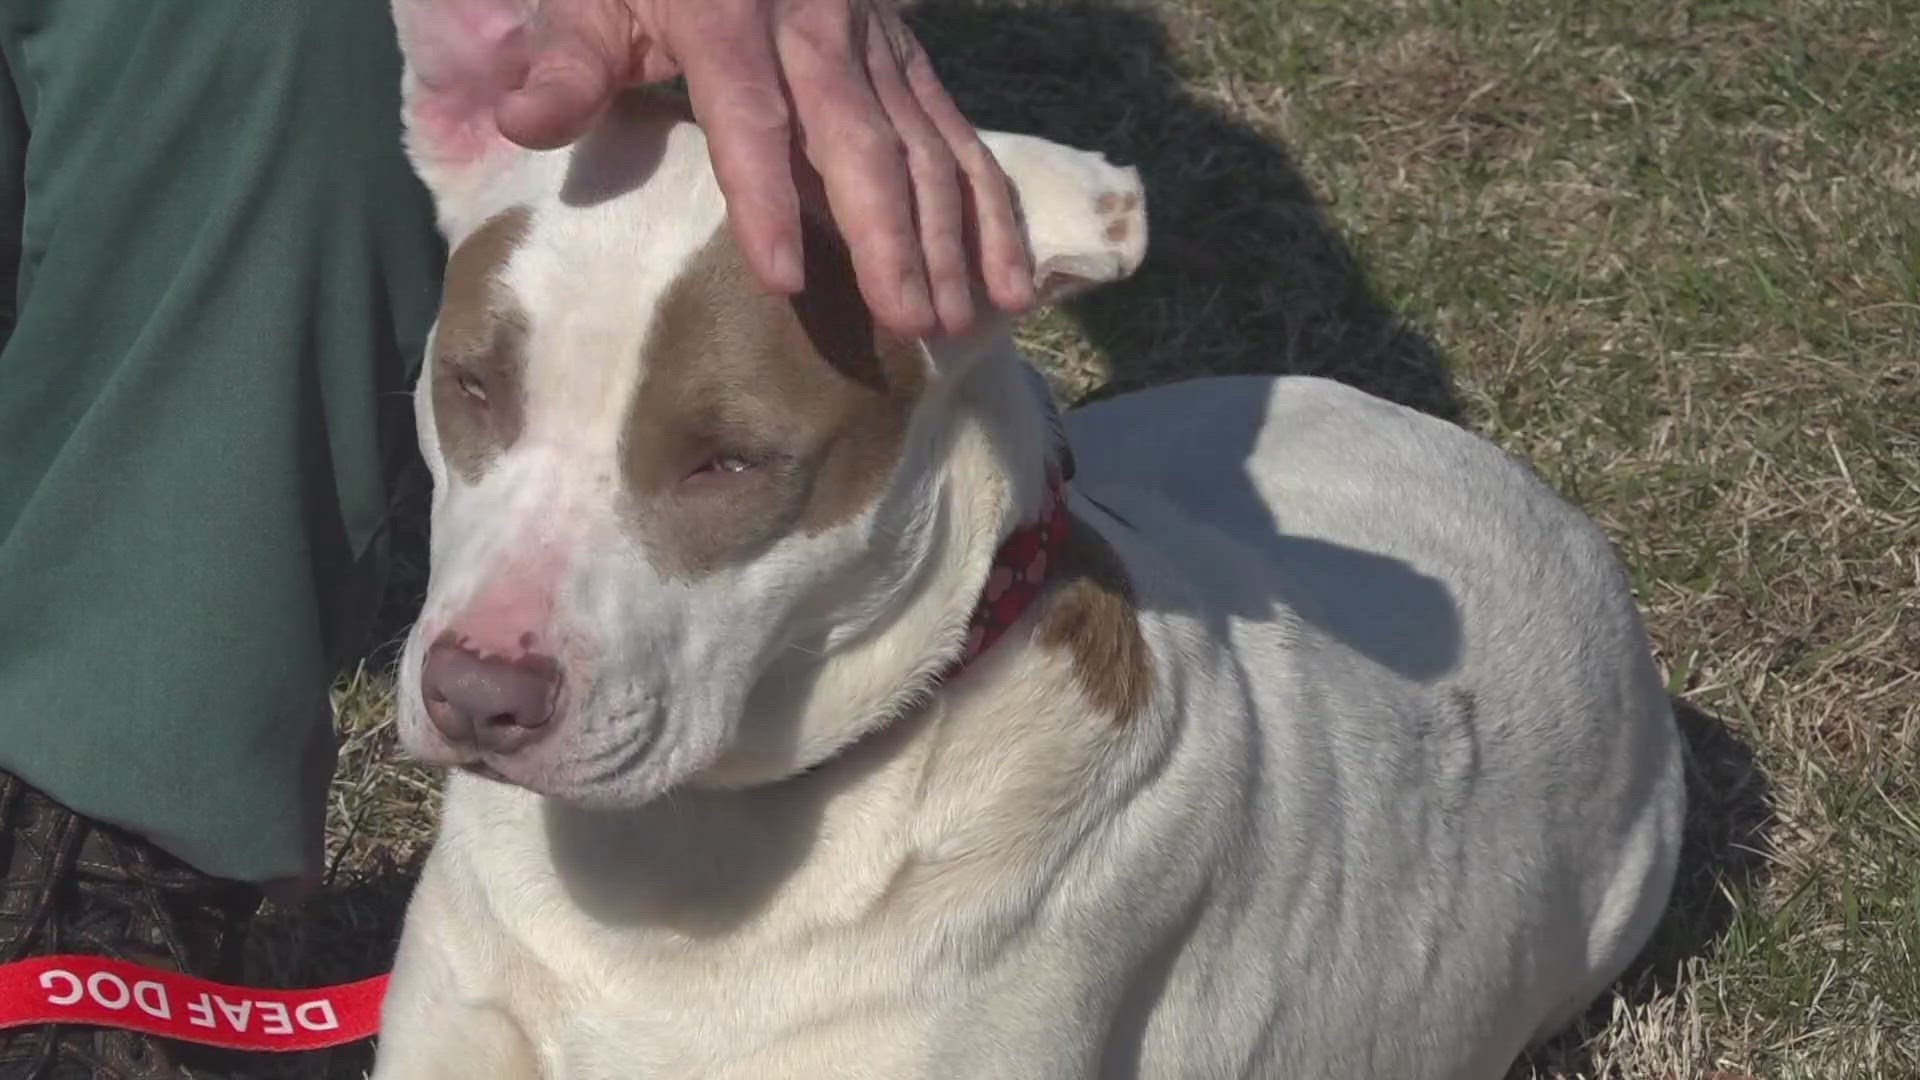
x: 787, y: 271
x: 541, y: 79
x: 536, y: 116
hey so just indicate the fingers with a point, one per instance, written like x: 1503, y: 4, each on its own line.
x: 861, y: 159
x: 935, y: 177
x: 921, y: 202
x: 1004, y: 261
x: 580, y: 52
x: 733, y: 79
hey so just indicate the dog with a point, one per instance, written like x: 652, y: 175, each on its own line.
x: 819, y: 703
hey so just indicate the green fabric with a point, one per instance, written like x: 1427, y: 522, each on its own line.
x: 223, y: 274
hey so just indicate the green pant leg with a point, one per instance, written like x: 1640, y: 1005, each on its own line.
x: 225, y: 274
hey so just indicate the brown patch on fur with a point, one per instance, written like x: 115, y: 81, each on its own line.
x: 479, y: 354
x: 1117, y: 229
x: 806, y: 391
x: 1108, y: 202
x: 1090, y: 614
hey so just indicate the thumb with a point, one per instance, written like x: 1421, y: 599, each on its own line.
x: 578, y: 52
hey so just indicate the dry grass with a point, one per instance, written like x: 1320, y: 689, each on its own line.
x: 1667, y: 252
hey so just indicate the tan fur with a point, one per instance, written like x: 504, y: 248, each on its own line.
x: 479, y: 349
x: 1090, y: 615
x: 806, y: 390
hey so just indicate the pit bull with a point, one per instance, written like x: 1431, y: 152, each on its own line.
x: 818, y: 704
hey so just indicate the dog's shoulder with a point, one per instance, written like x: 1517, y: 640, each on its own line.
x: 1331, y: 487
x: 1336, y: 544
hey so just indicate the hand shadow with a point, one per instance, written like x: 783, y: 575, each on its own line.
x: 1244, y: 272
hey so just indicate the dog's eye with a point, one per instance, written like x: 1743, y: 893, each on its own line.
x: 723, y: 465
x: 471, y: 386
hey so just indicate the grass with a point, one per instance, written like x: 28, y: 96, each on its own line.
x: 1669, y: 254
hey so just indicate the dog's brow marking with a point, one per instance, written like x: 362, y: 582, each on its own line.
x: 806, y: 389
x: 478, y: 343
x: 473, y: 266
x: 1092, y: 617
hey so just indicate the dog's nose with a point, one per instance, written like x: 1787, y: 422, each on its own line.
x: 491, y: 702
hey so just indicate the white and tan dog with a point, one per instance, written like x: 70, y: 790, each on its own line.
x: 1324, y: 741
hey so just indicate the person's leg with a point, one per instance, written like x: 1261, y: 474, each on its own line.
x: 225, y: 271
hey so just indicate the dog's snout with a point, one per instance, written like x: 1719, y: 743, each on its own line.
x: 494, y: 703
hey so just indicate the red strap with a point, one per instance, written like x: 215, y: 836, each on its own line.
x: 113, y: 993
x: 1020, y: 570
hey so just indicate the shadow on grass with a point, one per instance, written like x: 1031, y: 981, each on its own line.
x: 1245, y: 272
x: 1724, y: 857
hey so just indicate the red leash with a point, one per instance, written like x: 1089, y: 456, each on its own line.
x: 96, y: 991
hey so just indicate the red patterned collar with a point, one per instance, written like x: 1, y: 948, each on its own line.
x: 1020, y: 570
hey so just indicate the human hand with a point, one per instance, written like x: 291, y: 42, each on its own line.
x: 922, y: 204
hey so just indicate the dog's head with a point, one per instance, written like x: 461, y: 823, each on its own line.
x: 653, y: 478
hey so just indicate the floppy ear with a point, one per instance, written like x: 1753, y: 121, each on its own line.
x: 1085, y: 218
x: 461, y: 57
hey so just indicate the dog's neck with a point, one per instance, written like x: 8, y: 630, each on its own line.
x: 986, y: 452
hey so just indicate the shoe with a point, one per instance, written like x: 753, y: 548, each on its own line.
x: 71, y: 885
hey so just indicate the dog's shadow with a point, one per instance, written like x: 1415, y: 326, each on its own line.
x: 1724, y: 859
x: 1244, y: 271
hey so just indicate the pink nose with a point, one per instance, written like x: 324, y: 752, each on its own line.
x: 490, y: 702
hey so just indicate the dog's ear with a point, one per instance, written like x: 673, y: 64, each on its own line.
x: 1085, y: 218
x: 461, y: 56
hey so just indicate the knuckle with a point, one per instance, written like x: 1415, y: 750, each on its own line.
x: 820, y: 39
x: 892, y: 252
x: 718, y: 16
x: 759, y: 116
x: 739, y: 103
x: 871, y: 141
x: 946, y: 254
x: 927, y: 154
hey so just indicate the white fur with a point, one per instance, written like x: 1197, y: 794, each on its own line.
x: 1406, y: 795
